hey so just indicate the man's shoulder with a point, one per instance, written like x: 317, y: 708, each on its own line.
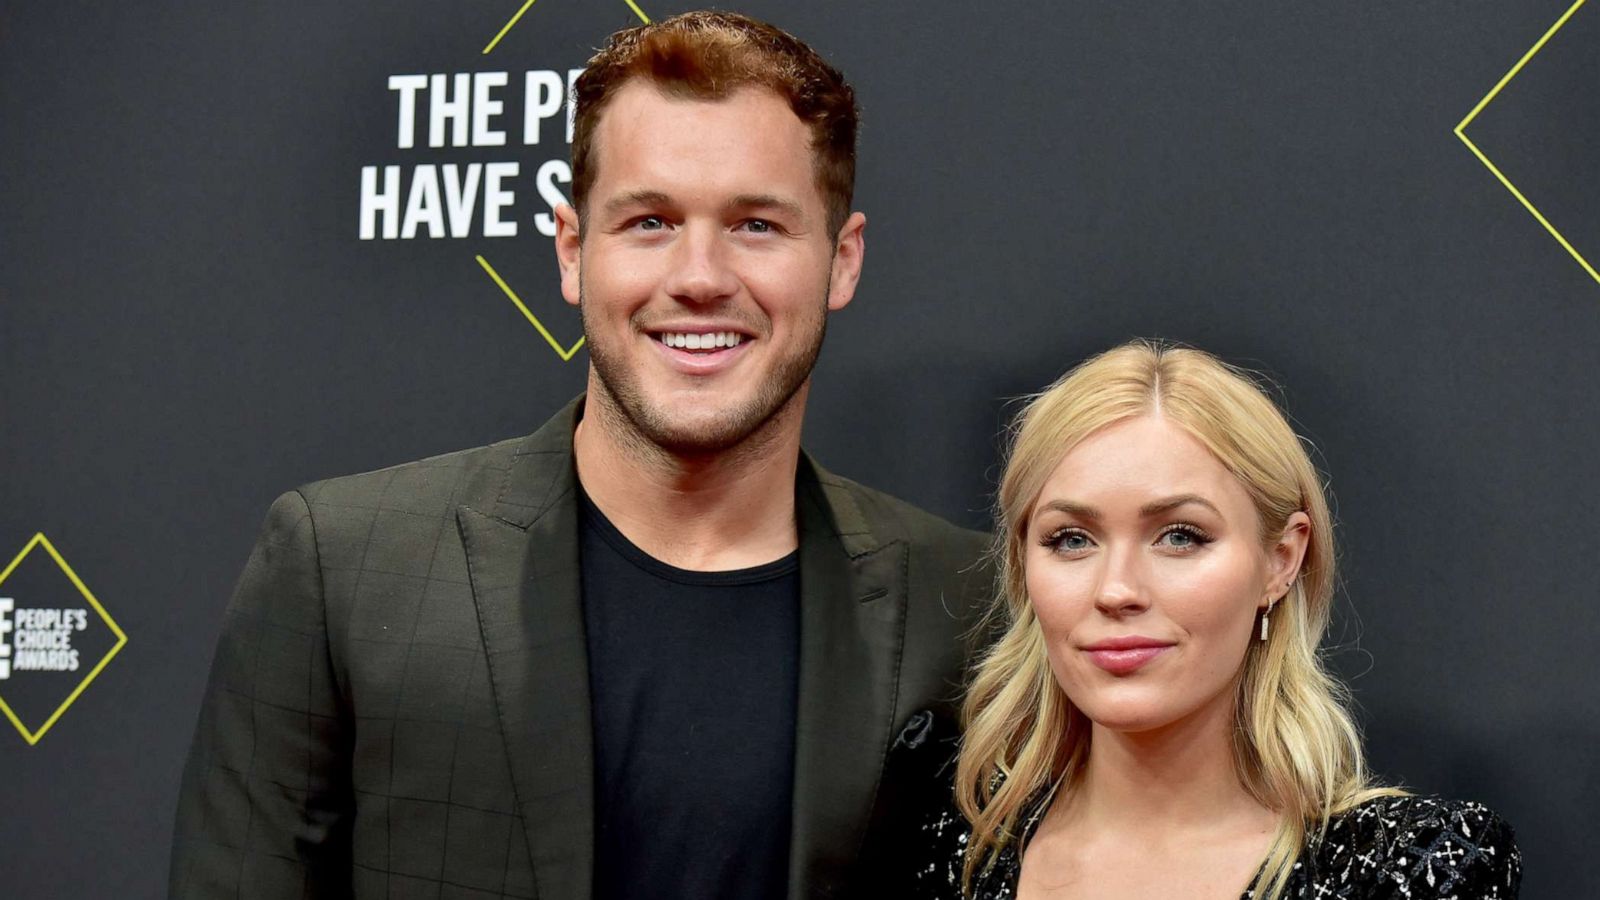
x: 891, y: 518
x: 513, y: 477
x: 432, y: 487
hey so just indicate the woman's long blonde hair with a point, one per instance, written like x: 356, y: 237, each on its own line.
x: 1295, y: 747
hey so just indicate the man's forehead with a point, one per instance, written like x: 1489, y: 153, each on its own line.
x: 641, y: 95
x: 748, y: 139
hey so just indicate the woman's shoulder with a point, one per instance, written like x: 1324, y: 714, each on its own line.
x: 921, y: 850
x: 1413, y: 846
x: 939, y: 872
x: 934, y: 866
x: 942, y: 836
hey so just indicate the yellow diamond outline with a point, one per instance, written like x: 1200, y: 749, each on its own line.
x: 516, y: 18
x: 32, y: 737
x: 566, y: 353
x: 1460, y: 132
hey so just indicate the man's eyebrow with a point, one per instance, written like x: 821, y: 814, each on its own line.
x: 636, y: 198
x: 767, y: 201
x: 1157, y: 507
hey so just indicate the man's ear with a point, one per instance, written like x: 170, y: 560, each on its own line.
x: 848, y: 251
x: 1287, y: 553
x: 569, y: 251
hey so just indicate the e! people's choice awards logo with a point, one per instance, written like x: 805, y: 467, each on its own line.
x: 55, y: 638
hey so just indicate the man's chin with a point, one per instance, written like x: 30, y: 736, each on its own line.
x: 710, y: 417
x: 701, y: 432
x: 700, y: 426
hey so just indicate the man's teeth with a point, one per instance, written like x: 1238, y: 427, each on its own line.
x: 711, y: 341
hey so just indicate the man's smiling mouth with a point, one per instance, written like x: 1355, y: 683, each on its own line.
x: 701, y: 342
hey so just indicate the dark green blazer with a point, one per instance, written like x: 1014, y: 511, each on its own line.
x: 399, y: 703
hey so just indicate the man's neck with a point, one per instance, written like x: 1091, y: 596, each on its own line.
x: 708, y: 512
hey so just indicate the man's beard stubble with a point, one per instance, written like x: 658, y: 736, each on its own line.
x: 744, y: 429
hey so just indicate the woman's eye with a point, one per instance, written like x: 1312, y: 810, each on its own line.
x: 1068, y: 540
x: 1182, y: 538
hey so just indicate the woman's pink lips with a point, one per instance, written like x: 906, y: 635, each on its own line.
x: 1125, y: 661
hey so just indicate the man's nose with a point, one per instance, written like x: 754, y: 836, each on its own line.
x: 701, y: 268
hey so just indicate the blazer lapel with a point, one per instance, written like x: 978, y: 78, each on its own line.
x: 852, y: 612
x: 522, y: 557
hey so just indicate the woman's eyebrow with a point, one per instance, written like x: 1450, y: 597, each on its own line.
x: 1081, y: 510
x: 1157, y: 507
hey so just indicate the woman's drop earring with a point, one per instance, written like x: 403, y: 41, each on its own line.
x: 1268, y: 611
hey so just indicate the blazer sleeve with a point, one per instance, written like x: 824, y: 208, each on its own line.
x: 266, y: 803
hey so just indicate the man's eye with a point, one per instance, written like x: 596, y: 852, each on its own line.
x: 759, y: 226
x: 650, y: 223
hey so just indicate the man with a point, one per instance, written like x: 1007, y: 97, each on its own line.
x: 651, y: 650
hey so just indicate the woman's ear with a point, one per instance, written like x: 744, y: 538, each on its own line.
x: 1287, y: 554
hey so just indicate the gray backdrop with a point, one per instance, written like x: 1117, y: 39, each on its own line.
x: 190, y: 323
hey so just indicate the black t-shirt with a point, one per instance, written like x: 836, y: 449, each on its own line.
x: 693, y: 677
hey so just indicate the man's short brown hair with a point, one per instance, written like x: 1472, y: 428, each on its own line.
x: 707, y: 56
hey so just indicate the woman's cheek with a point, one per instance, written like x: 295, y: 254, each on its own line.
x: 1214, y: 600
x: 1057, y: 598
x: 1061, y: 600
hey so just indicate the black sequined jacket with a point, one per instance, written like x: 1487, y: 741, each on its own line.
x: 1388, y: 848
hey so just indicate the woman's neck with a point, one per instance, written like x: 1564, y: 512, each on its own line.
x: 1167, y: 780
x: 1157, y: 813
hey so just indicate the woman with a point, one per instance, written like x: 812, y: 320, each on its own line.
x: 1154, y: 720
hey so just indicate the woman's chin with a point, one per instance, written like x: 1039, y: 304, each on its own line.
x: 1129, y: 718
